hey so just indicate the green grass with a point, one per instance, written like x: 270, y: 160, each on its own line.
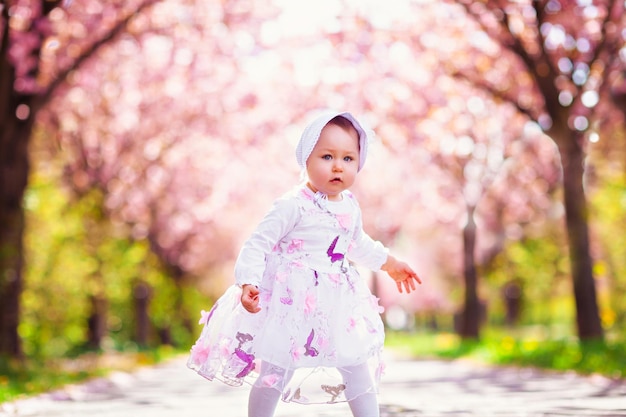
x: 22, y: 378
x: 605, y: 358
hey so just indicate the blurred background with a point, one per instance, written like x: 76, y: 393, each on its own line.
x: 142, y: 141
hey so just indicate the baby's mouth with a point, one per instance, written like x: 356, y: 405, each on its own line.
x: 336, y: 179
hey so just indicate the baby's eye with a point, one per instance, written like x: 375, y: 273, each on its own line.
x: 327, y: 157
x: 348, y: 159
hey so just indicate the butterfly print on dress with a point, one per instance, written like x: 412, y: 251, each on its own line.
x: 248, y: 358
x: 334, y: 256
x: 243, y: 338
x: 288, y: 300
x: 308, y: 349
x: 297, y: 395
x: 334, y: 391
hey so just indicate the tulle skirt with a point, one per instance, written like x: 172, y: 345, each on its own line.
x: 311, y: 326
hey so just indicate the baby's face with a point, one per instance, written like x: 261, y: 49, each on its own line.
x: 334, y: 161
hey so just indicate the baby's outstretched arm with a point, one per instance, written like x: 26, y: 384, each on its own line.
x: 402, y: 273
x: 250, y: 298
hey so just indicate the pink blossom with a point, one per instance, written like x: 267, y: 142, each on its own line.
x: 297, y: 264
x: 199, y: 352
x: 270, y: 380
x: 322, y: 342
x: 295, y: 245
x: 204, y: 317
x: 374, y: 303
x: 296, y: 352
x: 310, y: 303
x: 336, y: 278
x: 351, y: 324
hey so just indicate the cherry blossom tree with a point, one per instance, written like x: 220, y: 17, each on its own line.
x: 168, y: 162
x: 476, y: 150
x: 560, y: 63
x: 42, y: 43
x: 184, y: 115
x: 419, y: 114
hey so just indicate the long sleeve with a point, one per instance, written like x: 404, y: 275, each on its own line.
x: 250, y: 263
x: 366, y: 251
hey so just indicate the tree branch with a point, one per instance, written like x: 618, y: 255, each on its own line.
x: 60, y: 77
x: 509, y: 41
x: 496, y: 94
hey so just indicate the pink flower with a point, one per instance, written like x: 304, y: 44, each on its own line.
x: 205, y: 316
x: 310, y: 303
x: 345, y: 220
x: 322, y: 342
x: 270, y: 380
x: 296, y: 351
x: 295, y: 245
x: 351, y: 324
x: 199, y: 352
x: 336, y: 278
x: 374, y: 303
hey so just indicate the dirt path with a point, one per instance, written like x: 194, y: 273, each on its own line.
x: 410, y: 388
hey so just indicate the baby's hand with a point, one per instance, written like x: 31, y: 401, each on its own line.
x: 402, y: 273
x: 250, y: 298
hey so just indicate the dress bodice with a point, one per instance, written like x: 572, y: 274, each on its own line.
x: 324, y: 233
x: 305, y: 228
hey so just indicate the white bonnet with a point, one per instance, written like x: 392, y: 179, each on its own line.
x: 312, y: 132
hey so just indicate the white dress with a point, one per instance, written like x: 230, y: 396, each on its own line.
x: 317, y: 314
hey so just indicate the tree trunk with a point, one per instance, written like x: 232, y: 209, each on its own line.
x: 15, y: 130
x: 576, y: 215
x: 470, y: 318
x: 11, y: 260
x: 512, y: 295
x: 142, y: 294
x: 97, y: 321
x: 17, y: 115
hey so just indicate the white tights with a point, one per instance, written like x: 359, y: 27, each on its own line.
x: 357, y: 379
x: 263, y: 400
